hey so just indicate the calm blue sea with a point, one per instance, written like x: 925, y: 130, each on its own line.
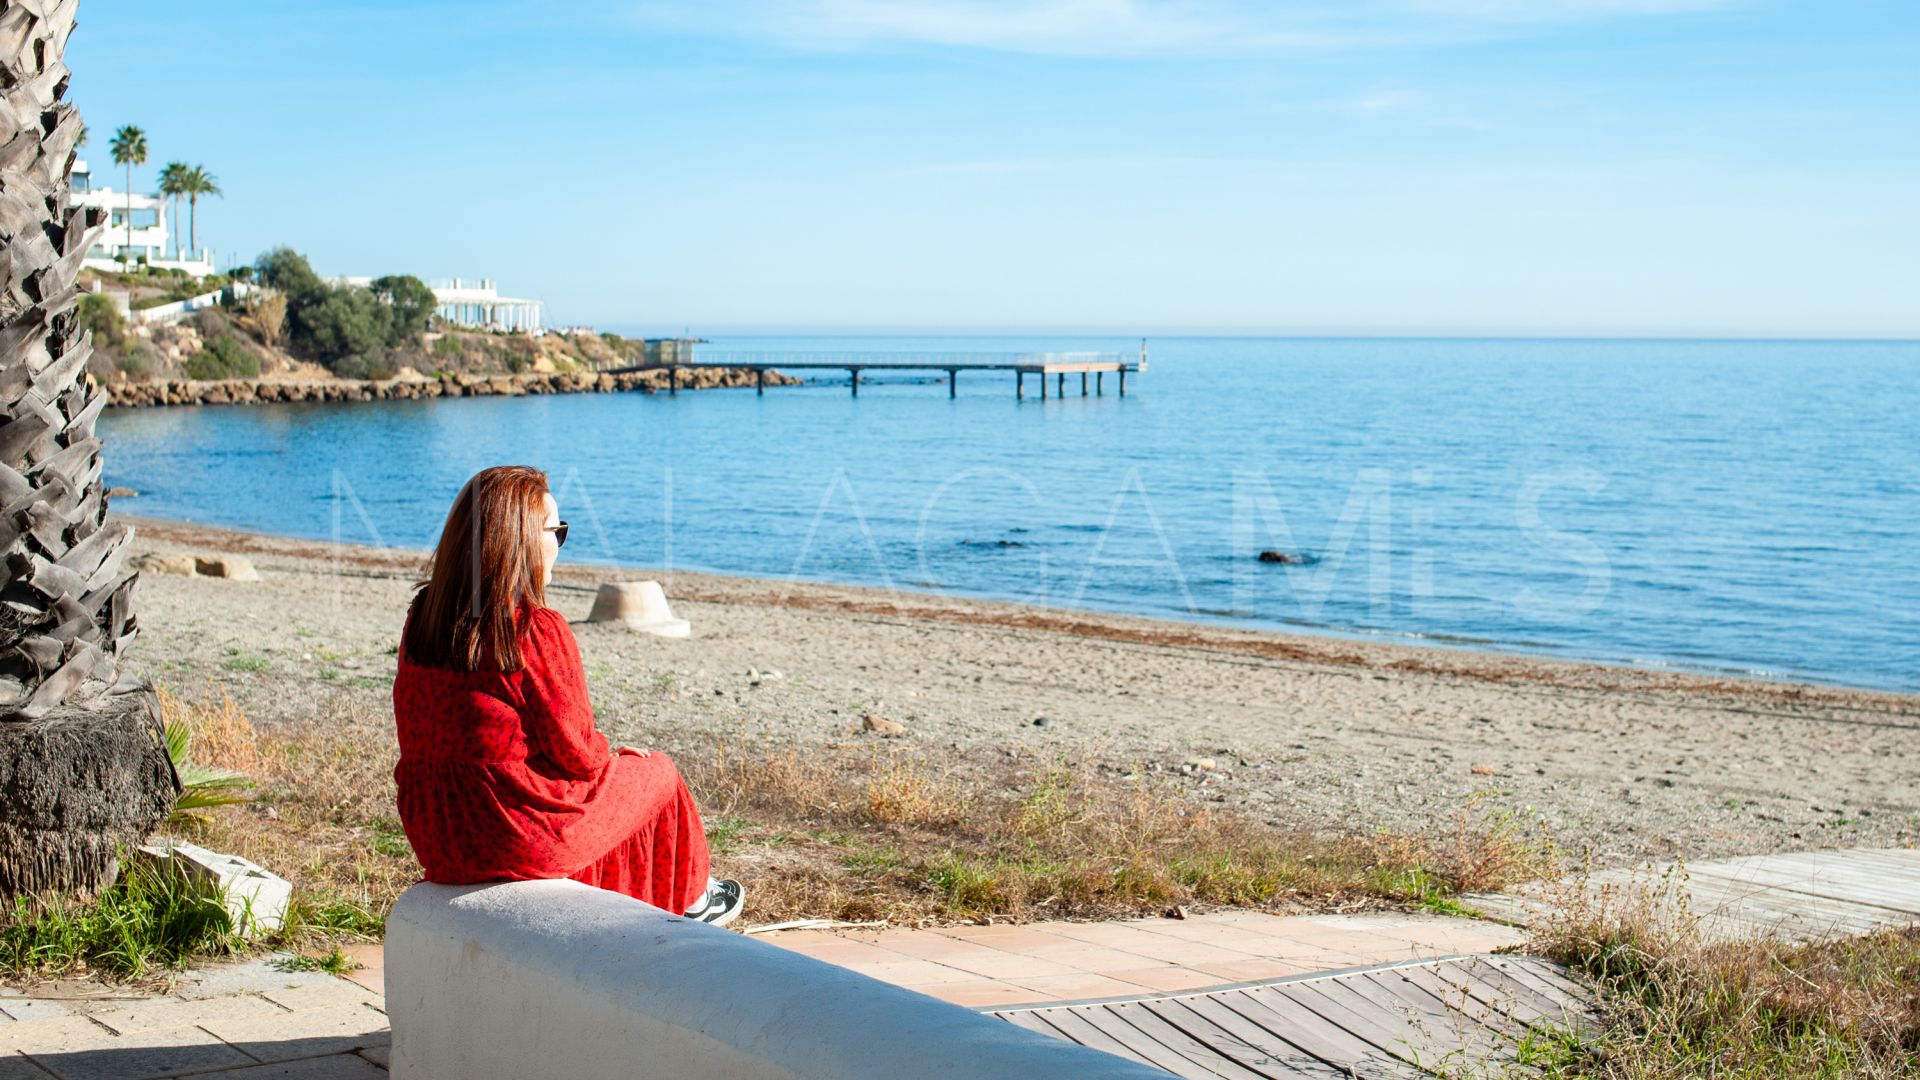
x: 1748, y: 507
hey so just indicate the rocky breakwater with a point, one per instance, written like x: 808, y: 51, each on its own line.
x: 267, y: 391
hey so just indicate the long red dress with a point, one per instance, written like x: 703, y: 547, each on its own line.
x: 503, y: 777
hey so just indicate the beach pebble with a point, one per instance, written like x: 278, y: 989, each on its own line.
x: 233, y: 567
x: 1043, y: 721
x: 1199, y: 765
x: 184, y: 565
x: 120, y: 493
x: 883, y: 727
x: 1485, y: 770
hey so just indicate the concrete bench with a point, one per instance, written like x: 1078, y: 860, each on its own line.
x: 557, y: 979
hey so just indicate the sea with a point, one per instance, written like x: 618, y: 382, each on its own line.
x: 1741, y: 507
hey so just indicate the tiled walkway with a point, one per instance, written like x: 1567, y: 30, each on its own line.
x: 982, y: 966
x: 251, y: 1021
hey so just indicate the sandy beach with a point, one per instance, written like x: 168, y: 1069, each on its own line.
x: 1616, y: 763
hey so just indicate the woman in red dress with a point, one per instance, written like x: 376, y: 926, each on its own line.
x: 502, y: 774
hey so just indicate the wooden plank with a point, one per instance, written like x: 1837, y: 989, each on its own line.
x: 1871, y: 886
x: 1777, y: 911
x: 1495, y: 991
x: 1064, y: 1024
x: 1437, y: 1015
x: 1262, y: 1049
x: 1214, y: 1059
x: 1364, y: 1020
x: 1139, y: 1044
x: 1463, y: 1002
x: 1573, y: 1006
x: 1274, y: 1011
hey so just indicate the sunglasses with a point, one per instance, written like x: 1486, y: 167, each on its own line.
x: 559, y: 534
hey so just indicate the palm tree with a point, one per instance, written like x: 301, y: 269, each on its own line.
x: 83, y: 764
x: 173, y: 185
x: 129, y: 149
x: 198, y: 181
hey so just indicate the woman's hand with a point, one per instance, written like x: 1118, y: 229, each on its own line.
x: 635, y: 751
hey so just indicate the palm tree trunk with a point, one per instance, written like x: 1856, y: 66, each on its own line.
x: 129, y: 213
x: 83, y: 771
x: 193, y: 218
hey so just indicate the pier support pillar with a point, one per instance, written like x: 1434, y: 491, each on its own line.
x: 953, y: 382
x: 855, y: 372
x: 1020, y: 386
x: 1083, y: 384
x: 1100, y: 383
x: 760, y: 380
x: 673, y: 381
x: 1060, y: 386
x: 1123, y: 381
x: 1043, y: 386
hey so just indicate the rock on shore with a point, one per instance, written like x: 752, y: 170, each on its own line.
x: 264, y: 391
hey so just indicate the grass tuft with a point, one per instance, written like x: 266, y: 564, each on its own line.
x: 151, y: 918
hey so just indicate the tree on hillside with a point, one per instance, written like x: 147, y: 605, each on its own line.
x: 83, y: 770
x: 129, y: 148
x: 173, y: 184
x: 410, y: 303
x: 197, y: 182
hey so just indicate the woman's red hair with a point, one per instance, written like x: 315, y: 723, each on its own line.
x: 486, y: 574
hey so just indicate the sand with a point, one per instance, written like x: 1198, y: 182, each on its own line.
x: 1619, y: 764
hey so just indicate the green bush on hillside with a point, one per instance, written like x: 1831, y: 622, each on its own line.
x: 222, y: 358
x: 332, y: 323
x: 98, y: 313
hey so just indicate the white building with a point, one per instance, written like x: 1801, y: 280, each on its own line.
x: 477, y: 305
x: 149, y: 240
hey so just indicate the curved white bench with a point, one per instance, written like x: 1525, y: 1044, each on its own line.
x: 557, y: 979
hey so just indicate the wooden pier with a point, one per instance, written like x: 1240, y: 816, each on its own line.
x: 1092, y: 368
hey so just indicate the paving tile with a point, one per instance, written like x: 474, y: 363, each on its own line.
x: 853, y: 954
x: 17, y: 1066
x: 1255, y: 970
x: 34, y: 1009
x: 372, y: 972
x: 330, y: 1067
x: 1082, y: 956
x: 222, y: 980
x: 143, y: 1055
x: 1159, y: 946
x: 326, y: 995
x: 1021, y: 939
x: 968, y: 956
x: 163, y: 1013
x: 27, y: 1034
x: 980, y: 993
x: 1167, y: 979
x: 308, y: 1033
x: 914, y: 973
x: 1075, y: 987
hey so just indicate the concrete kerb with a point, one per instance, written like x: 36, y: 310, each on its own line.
x: 555, y: 978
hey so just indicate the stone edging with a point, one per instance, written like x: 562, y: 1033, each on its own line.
x: 265, y: 391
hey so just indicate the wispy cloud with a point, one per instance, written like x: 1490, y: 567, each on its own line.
x: 1137, y: 27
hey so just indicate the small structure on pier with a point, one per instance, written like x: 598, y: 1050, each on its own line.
x: 1094, y: 366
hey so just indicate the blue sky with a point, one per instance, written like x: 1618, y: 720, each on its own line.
x: 1607, y: 167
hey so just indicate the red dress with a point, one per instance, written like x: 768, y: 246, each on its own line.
x: 503, y: 777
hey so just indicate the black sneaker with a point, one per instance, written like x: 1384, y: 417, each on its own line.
x: 721, y: 903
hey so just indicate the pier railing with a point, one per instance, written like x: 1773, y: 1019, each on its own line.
x: 1092, y: 367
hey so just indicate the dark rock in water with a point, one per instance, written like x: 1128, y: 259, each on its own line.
x: 1284, y: 558
x: 992, y: 543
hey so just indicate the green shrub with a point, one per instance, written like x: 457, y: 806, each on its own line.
x: 98, y: 313
x: 222, y: 358
x: 447, y: 347
x: 152, y: 917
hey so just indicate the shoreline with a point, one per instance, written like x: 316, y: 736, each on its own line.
x: 161, y: 393
x: 1341, y: 738
x: 1466, y: 661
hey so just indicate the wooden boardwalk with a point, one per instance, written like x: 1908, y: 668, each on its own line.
x: 1056, y: 366
x: 1807, y: 896
x: 1418, y: 1018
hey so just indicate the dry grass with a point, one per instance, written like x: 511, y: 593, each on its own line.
x: 323, y: 816
x: 860, y: 833
x: 1677, y: 1004
x: 878, y: 833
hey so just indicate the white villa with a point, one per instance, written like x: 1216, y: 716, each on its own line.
x: 149, y: 242
x: 478, y: 305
